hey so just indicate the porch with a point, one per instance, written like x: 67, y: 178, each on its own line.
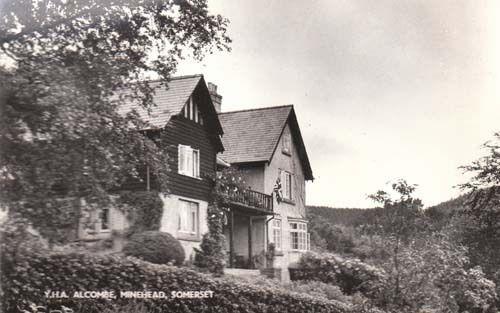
x: 245, y: 230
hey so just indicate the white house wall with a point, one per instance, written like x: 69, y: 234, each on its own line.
x: 287, y: 211
x: 170, y: 217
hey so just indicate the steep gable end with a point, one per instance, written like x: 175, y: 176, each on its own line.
x: 169, y: 101
x: 253, y: 135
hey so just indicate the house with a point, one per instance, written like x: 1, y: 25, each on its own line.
x: 192, y: 131
x: 266, y: 145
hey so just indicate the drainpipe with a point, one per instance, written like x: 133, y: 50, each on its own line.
x: 267, y: 232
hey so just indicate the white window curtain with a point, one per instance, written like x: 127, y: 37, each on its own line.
x: 182, y: 159
x: 277, y: 234
x: 189, y: 161
x: 196, y: 163
x: 188, y: 217
x: 286, y: 142
x: 286, y: 182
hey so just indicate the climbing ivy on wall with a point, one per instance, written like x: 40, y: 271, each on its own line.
x: 143, y: 209
x: 211, y: 255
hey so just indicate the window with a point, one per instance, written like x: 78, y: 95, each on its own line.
x: 192, y: 112
x: 287, y: 185
x: 277, y: 234
x: 104, y: 221
x: 287, y: 142
x: 299, y: 238
x: 188, y: 217
x: 189, y: 161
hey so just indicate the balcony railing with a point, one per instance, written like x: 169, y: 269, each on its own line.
x: 252, y: 199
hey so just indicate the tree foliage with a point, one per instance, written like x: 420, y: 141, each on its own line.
x: 403, y: 216
x: 398, y: 223
x: 61, y: 131
x: 435, y: 273
x: 481, y: 233
x: 143, y: 209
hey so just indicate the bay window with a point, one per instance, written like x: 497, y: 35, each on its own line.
x: 299, y: 238
x: 277, y: 234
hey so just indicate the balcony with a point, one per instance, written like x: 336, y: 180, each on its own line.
x: 253, y: 200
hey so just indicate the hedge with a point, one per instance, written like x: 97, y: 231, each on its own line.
x: 155, y: 247
x: 351, y: 275
x: 26, y: 283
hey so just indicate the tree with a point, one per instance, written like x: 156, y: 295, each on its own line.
x: 62, y: 136
x: 482, y: 210
x: 435, y: 274
x: 399, y: 221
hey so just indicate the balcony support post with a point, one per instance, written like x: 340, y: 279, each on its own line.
x: 250, y: 258
x: 231, y: 238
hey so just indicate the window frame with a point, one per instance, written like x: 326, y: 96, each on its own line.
x: 192, y: 112
x: 190, y: 159
x: 303, y: 237
x: 191, y: 207
x: 286, y: 143
x: 277, y: 231
x: 287, y: 185
x: 101, y: 222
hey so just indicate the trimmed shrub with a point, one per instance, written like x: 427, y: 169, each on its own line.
x: 351, y: 275
x: 319, y: 289
x: 155, y: 247
x: 80, y: 272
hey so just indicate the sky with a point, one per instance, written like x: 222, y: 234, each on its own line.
x: 382, y: 89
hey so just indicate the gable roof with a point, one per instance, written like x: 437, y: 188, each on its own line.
x: 253, y: 135
x: 170, y: 101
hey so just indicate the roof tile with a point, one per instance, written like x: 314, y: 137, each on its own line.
x: 252, y: 135
x: 169, y: 102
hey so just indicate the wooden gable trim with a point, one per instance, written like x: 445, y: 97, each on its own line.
x: 298, y: 141
x: 210, y: 116
x: 279, y: 138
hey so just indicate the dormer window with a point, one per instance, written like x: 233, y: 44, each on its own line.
x: 287, y: 142
x: 192, y: 112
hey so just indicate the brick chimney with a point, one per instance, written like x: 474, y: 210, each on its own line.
x: 216, y: 98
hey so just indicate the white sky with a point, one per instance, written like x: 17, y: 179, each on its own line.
x: 382, y: 89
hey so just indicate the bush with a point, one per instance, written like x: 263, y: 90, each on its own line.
x: 319, y: 289
x: 435, y: 273
x: 155, y: 247
x: 351, y: 275
x: 79, y: 272
x: 335, y: 238
x: 211, y: 255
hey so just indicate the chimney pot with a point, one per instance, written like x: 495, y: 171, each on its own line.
x: 216, y: 98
